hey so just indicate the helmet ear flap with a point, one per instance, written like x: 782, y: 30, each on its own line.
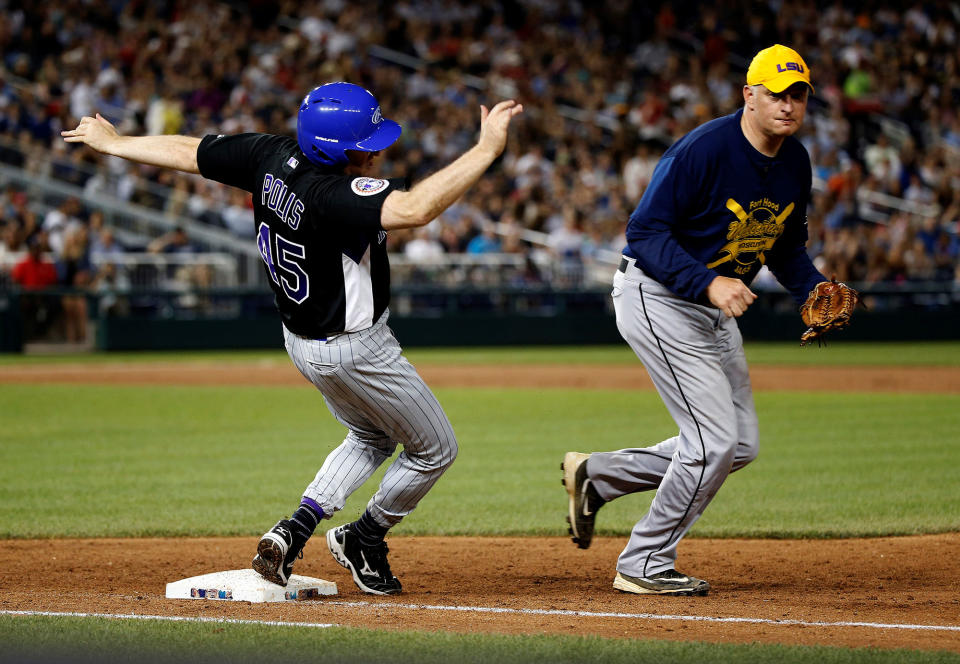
x: 321, y: 155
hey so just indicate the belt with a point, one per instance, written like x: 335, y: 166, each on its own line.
x: 623, y: 264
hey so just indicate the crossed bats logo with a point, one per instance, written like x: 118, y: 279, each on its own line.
x: 750, y: 235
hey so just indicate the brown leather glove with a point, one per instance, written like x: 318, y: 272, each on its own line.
x: 828, y: 307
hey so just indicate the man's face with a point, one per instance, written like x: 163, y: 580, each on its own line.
x: 779, y: 113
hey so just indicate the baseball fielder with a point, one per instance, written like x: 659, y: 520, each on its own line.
x: 321, y: 219
x: 724, y: 200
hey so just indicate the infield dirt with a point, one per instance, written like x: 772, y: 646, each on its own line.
x: 889, y: 581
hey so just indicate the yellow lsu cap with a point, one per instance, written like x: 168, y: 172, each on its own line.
x: 777, y: 68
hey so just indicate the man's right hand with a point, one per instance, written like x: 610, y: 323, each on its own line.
x: 731, y: 296
x: 494, y: 124
x: 96, y: 132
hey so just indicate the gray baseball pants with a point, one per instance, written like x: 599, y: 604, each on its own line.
x: 377, y: 394
x: 694, y: 355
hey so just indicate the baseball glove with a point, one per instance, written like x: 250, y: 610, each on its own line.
x: 828, y: 307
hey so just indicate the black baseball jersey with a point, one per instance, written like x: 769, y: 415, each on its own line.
x: 318, y: 231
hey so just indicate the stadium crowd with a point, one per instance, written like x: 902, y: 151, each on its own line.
x: 608, y: 86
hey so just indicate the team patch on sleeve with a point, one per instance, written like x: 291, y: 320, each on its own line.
x: 368, y: 186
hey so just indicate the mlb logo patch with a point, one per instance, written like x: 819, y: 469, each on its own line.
x: 368, y: 186
x: 292, y: 162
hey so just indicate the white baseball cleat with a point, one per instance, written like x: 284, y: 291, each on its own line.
x: 669, y: 582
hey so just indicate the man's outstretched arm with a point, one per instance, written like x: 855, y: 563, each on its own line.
x: 428, y: 198
x: 178, y: 152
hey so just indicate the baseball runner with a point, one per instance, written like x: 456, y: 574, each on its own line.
x: 322, y: 219
x: 724, y: 200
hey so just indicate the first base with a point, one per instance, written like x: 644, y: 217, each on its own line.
x: 245, y: 585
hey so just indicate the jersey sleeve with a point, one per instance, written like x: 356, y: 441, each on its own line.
x: 234, y: 159
x: 789, y: 261
x: 650, y: 230
x: 351, y: 201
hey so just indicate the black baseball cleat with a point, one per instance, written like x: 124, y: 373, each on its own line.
x: 276, y: 553
x: 584, y: 499
x: 669, y: 582
x: 367, y: 564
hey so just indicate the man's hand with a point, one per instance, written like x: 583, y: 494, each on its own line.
x: 494, y: 124
x: 731, y: 296
x: 427, y: 199
x: 96, y: 132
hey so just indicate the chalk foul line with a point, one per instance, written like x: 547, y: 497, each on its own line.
x: 644, y: 616
x: 380, y: 606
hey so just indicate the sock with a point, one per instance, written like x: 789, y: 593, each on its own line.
x: 369, y: 531
x: 306, y: 518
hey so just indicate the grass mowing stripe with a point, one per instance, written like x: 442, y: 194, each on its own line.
x: 115, y: 450
x: 378, y: 606
x: 837, y: 353
x: 46, y: 639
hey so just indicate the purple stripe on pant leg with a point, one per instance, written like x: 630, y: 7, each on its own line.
x: 312, y: 504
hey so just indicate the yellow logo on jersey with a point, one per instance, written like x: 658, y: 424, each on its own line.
x: 751, y: 234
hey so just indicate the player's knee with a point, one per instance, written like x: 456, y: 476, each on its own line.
x: 748, y: 448
x: 450, y: 452
x: 725, y: 437
x: 720, y: 456
x: 438, y: 456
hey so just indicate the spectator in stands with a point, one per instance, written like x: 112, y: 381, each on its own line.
x: 237, y: 216
x: 112, y: 286
x: 638, y: 170
x: 566, y: 248
x: 423, y: 248
x: 451, y: 241
x: 61, y: 221
x: 603, y: 79
x: 174, y: 242
x: 104, y: 247
x: 918, y: 192
x: 75, y: 272
x: 883, y: 160
x: 36, y: 272
x: 486, y: 242
x: 185, y: 276
x: 12, y: 248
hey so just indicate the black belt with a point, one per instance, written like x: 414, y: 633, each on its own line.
x: 623, y: 264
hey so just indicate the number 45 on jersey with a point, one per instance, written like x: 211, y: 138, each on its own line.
x: 284, y: 260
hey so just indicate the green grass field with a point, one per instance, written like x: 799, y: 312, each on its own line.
x: 886, y: 465
x: 866, y: 464
x: 836, y: 353
x: 83, y: 640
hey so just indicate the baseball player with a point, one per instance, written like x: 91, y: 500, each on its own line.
x: 321, y: 221
x: 724, y: 200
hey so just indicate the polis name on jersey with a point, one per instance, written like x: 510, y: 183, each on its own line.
x: 277, y: 197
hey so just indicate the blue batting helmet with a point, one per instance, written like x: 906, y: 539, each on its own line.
x: 342, y: 116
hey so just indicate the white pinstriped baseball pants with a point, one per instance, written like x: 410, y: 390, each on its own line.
x: 378, y: 395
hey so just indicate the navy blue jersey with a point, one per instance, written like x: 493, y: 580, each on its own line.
x: 716, y: 206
